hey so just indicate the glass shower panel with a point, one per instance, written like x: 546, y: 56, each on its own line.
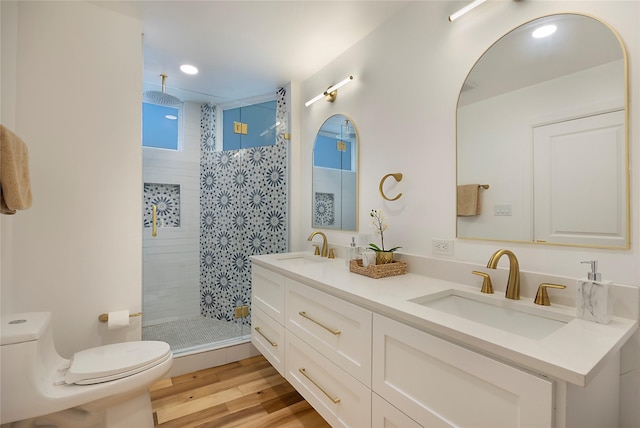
x: 213, y: 209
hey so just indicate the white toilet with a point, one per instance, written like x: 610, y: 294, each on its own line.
x: 105, y: 386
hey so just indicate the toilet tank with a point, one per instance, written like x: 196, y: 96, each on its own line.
x: 28, y: 363
x: 24, y: 327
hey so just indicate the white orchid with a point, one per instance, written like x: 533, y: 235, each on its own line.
x: 377, y: 222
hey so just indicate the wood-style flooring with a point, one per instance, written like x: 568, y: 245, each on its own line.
x: 247, y: 393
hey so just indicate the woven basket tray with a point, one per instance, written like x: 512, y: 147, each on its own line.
x: 378, y: 271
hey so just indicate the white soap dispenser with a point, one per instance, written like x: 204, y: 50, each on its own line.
x: 352, y: 251
x: 594, y: 301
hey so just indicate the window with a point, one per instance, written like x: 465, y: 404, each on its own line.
x: 332, y: 152
x: 160, y: 126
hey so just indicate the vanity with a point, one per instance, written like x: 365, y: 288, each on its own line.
x: 414, y: 350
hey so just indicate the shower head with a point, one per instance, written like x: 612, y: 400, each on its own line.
x: 162, y: 98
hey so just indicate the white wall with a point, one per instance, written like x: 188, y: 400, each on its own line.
x: 171, y: 260
x: 408, y: 74
x: 76, y: 103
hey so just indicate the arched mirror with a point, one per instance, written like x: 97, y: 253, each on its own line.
x: 335, y: 175
x: 542, y: 148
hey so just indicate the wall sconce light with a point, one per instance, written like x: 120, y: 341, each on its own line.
x: 331, y: 93
x: 465, y: 9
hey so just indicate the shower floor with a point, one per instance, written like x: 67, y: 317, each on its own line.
x: 196, y: 333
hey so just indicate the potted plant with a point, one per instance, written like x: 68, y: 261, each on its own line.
x: 383, y: 256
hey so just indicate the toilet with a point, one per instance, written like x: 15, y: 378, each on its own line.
x: 105, y: 386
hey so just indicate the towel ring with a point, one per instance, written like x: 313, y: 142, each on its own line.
x: 398, y: 177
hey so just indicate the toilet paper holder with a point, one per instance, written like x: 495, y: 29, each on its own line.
x: 105, y: 317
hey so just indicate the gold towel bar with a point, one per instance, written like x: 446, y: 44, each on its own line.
x: 105, y: 317
x: 484, y: 186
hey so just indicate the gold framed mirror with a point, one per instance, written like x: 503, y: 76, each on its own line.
x: 335, y: 175
x: 544, y: 123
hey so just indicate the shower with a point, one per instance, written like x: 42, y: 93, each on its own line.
x: 161, y: 97
x: 214, y: 207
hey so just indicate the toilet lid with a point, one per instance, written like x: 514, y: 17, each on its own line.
x: 111, y: 362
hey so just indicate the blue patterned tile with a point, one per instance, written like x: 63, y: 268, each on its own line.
x: 244, y: 211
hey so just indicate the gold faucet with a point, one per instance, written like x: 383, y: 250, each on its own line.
x: 513, y: 283
x: 325, y: 250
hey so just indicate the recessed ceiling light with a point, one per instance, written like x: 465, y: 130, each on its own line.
x: 544, y: 31
x: 188, y: 69
x: 171, y: 117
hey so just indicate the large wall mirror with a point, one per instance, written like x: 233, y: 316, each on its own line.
x: 542, y: 135
x: 335, y: 175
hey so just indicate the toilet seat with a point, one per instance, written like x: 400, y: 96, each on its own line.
x: 116, y: 361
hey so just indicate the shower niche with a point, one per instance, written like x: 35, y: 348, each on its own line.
x: 166, y: 199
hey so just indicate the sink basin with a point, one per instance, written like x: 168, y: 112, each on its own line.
x: 300, y: 259
x: 527, y: 322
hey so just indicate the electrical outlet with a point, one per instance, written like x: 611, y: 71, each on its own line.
x: 502, y: 209
x: 442, y: 246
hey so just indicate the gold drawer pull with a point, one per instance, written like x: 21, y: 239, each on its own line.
x: 271, y: 342
x: 330, y: 330
x: 335, y: 400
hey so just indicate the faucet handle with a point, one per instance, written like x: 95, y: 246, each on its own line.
x: 542, y: 298
x: 317, y: 250
x: 487, y: 286
x: 332, y: 255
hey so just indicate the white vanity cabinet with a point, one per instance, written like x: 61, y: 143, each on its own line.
x: 319, y: 343
x: 267, y: 292
x: 360, y: 365
x: 339, y: 330
x: 267, y: 315
x: 268, y: 337
x: 342, y: 400
x: 438, y: 383
x: 384, y: 415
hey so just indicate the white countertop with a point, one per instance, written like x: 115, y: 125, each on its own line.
x: 574, y: 353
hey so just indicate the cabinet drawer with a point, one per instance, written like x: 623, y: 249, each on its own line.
x: 438, y: 383
x: 267, y: 292
x: 337, y: 329
x: 268, y: 337
x: 384, y: 415
x: 333, y: 393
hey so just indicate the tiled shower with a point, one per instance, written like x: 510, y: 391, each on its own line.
x: 199, y: 271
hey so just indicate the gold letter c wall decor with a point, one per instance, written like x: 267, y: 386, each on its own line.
x: 398, y: 177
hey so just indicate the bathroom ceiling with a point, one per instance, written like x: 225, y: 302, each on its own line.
x: 247, y: 48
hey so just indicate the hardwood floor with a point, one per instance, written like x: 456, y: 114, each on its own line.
x: 247, y: 393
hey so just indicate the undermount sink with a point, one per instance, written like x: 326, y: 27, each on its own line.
x: 300, y: 259
x: 527, y: 322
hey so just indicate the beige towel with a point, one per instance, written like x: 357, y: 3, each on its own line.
x: 469, y: 200
x: 15, y: 185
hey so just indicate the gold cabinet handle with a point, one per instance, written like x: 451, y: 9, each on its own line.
x: 542, y: 298
x: 398, y: 177
x: 154, y: 220
x: 487, y: 286
x: 335, y: 400
x: 330, y: 330
x: 271, y: 342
